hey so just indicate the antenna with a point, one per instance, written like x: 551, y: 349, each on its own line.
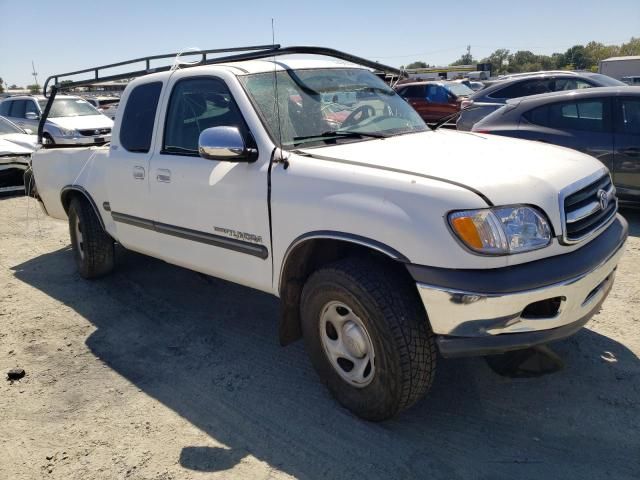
x: 275, y: 88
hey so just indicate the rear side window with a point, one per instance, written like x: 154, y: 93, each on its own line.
x: 587, y: 115
x: 525, y: 88
x: 139, y: 116
x: 414, y: 91
x: 18, y: 108
x: 4, y: 108
x: 630, y: 115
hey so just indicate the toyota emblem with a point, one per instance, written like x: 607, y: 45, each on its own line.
x: 603, y: 198
x: 97, y: 132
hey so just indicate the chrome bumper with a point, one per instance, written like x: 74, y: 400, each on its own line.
x: 82, y: 140
x: 469, y: 314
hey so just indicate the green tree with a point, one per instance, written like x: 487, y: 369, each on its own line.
x: 577, y: 57
x: 632, y: 47
x: 465, y: 59
x: 35, y: 88
x: 418, y: 64
x: 498, y: 60
x: 1, y: 85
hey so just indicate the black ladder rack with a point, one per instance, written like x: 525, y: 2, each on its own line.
x: 238, y: 54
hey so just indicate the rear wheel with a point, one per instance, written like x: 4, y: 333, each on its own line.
x: 368, y: 337
x: 48, y: 139
x: 93, y: 248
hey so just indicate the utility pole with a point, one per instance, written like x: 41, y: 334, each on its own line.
x: 34, y: 73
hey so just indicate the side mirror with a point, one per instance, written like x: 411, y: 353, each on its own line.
x: 32, y: 116
x: 225, y: 144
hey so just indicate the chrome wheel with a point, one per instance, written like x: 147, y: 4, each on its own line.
x: 79, y: 239
x: 347, y: 344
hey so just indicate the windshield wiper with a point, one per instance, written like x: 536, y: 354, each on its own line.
x: 340, y: 133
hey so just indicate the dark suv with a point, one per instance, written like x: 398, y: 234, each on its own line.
x: 496, y: 95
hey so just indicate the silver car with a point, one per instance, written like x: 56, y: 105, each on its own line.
x: 72, y: 120
x: 496, y: 95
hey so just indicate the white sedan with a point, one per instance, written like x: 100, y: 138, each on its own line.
x: 16, y: 147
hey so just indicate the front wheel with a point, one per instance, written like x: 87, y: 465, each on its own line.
x: 93, y: 248
x: 368, y: 337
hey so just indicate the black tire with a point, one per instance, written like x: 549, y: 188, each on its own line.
x: 48, y: 138
x: 94, y: 251
x: 396, y: 324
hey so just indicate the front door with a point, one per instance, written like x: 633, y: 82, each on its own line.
x: 626, y: 169
x: 210, y: 216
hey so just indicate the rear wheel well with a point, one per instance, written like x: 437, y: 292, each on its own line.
x: 306, y: 258
x: 69, y: 194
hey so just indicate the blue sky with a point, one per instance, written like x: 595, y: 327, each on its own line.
x: 76, y: 34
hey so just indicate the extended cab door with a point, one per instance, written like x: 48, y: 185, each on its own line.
x: 128, y: 171
x: 626, y: 168
x: 211, y: 216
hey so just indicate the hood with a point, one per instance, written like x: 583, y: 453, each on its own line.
x: 17, y: 144
x: 82, y: 122
x: 503, y: 170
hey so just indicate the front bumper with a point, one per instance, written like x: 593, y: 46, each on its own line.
x: 97, y: 140
x: 524, y: 305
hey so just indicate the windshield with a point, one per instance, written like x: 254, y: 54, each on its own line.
x: 328, y: 106
x: 7, y: 127
x: 606, y: 81
x: 459, y: 89
x: 69, y: 107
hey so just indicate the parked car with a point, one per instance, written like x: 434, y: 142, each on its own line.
x: 474, y: 85
x: 72, y: 120
x: 105, y: 105
x: 496, y: 95
x: 631, y: 80
x: 16, y: 147
x: 386, y: 241
x: 434, y: 100
x: 603, y: 122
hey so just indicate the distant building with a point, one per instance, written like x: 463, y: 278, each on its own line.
x: 480, y: 71
x: 618, y: 67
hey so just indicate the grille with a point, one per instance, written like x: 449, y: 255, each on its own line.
x: 584, y: 212
x: 92, y: 132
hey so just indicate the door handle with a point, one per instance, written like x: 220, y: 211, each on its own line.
x: 163, y: 175
x: 138, y: 172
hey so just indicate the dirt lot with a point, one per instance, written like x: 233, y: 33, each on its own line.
x: 158, y: 373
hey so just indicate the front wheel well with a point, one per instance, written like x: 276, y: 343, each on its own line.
x: 311, y: 255
x: 69, y: 193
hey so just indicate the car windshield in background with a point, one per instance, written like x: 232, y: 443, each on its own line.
x: 459, y: 89
x: 328, y: 106
x: 8, y: 127
x: 69, y: 107
x: 606, y: 81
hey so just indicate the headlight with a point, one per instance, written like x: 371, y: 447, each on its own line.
x: 68, y: 133
x: 501, y: 230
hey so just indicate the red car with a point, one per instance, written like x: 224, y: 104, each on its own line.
x: 434, y: 100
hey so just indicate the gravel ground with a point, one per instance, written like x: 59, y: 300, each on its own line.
x: 156, y: 372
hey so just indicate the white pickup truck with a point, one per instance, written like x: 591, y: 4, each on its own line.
x: 385, y: 241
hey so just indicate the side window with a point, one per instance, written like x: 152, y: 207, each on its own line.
x: 139, y: 115
x: 562, y: 84
x: 538, y: 116
x: 31, y: 108
x: 18, y: 108
x: 630, y: 116
x: 436, y: 94
x: 524, y: 88
x: 587, y: 115
x: 4, y: 108
x: 195, y: 105
x: 414, y: 91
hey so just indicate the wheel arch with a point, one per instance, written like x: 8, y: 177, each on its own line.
x: 70, y: 191
x: 313, y: 250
